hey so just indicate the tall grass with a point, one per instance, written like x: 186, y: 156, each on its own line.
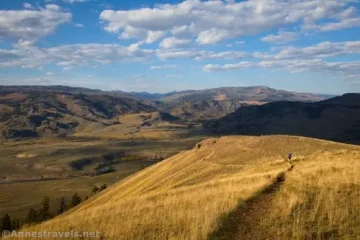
x: 187, y: 195
x: 320, y: 199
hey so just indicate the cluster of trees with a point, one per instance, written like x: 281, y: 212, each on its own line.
x: 99, y: 189
x: 43, y: 214
x: 36, y: 216
x: 103, y: 168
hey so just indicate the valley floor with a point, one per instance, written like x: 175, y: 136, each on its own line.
x: 31, y: 169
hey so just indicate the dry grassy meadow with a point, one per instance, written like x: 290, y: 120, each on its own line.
x: 198, y: 194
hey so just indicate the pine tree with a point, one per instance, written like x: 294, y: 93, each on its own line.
x: 15, y: 224
x: 62, y: 206
x: 95, y: 189
x: 75, y: 200
x: 6, y: 223
x: 103, y: 187
x: 32, y: 216
x: 45, y: 210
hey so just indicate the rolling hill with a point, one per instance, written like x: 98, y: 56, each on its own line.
x: 234, y: 187
x: 336, y: 119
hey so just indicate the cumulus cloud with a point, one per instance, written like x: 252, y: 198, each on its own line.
x: 163, y: 66
x: 210, y: 22
x: 310, y: 65
x: 29, y: 25
x: 174, y: 42
x: 145, y: 36
x: 49, y: 74
x: 198, y: 54
x: 311, y: 58
x: 292, y: 59
x: 68, y: 56
x: 320, y: 50
x: 28, y: 6
x: 281, y: 37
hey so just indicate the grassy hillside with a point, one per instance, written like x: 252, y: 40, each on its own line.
x: 202, y: 193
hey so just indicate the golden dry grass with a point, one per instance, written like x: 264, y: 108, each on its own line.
x: 187, y: 195
x: 320, y: 199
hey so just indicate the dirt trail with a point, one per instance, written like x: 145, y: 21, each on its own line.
x: 245, y: 222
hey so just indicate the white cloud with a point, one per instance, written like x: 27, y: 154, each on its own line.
x: 174, y: 42
x: 210, y: 22
x: 291, y: 59
x: 29, y: 25
x: 175, y: 76
x: 213, y: 36
x: 28, y: 6
x: 68, y: 56
x: 335, y: 26
x: 143, y: 35
x: 198, y: 55
x: 281, y: 37
x: 163, y: 66
x: 239, y: 42
x: 79, y: 25
x: 311, y: 65
x: 227, y: 67
x: 320, y: 50
x: 49, y: 74
x: 229, y: 55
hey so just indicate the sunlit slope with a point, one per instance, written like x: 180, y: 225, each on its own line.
x: 152, y: 125
x: 188, y: 195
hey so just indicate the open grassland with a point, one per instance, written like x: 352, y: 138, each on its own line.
x: 17, y: 198
x: 53, y: 157
x: 192, y: 194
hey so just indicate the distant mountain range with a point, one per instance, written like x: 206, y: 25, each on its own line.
x: 200, y: 105
x: 35, y: 111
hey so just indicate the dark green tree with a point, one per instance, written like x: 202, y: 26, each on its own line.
x: 15, y: 224
x: 32, y: 216
x: 103, y: 187
x: 62, y: 206
x: 75, y: 200
x: 95, y: 189
x: 6, y: 223
x: 45, y: 210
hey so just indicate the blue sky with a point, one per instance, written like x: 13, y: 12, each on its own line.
x: 161, y: 46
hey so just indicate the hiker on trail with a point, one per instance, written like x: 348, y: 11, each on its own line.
x: 289, y: 156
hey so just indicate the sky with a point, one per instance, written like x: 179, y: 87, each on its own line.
x: 162, y: 45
